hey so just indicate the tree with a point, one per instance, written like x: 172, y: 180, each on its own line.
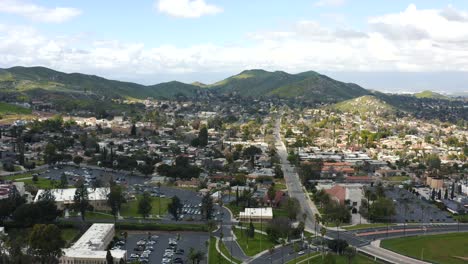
x: 279, y: 227
x: 446, y: 194
x: 144, y: 205
x: 174, y: 207
x: 433, y: 161
x: 337, y: 245
x: 133, y: 130
x: 81, y: 200
x: 146, y: 169
x: 46, y: 243
x: 207, y: 206
x: 115, y: 199
x: 382, y: 209
x: 63, y: 181
x: 50, y: 153
x: 278, y: 172
x: 109, y: 258
x: 350, y: 253
x: 292, y: 207
x: 203, y: 137
x: 251, y: 230
x: 77, y: 160
x: 439, y: 194
x: 452, y: 191
x: 251, y: 152
x: 271, y: 193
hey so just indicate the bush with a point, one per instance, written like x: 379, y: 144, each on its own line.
x: 337, y: 245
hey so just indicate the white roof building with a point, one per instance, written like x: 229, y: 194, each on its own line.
x: 256, y: 214
x: 91, y: 247
x: 64, y: 195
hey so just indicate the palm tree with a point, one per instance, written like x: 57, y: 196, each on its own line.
x: 323, y: 232
x: 159, y: 198
x: 271, y: 250
x: 283, y: 244
x: 318, y: 219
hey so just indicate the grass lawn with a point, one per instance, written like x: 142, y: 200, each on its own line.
x: 397, y: 178
x: 359, y: 259
x: 227, y: 253
x: 130, y: 209
x: 41, y: 183
x: 304, y: 257
x: 280, y: 186
x: 70, y: 234
x: 277, y: 212
x: 256, y: 226
x: 234, y: 208
x: 444, y: 248
x: 98, y: 215
x: 18, y: 176
x: 253, y: 243
x: 213, y: 256
x: 363, y: 226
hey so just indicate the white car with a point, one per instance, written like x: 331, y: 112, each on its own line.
x: 300, y: 253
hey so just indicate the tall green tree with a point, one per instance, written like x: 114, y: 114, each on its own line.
x: 46, y: 243
x: 81, y: 200
x: 115, y: 199
x: 145, y: 205
x: 207, y: 206
x: 203, y: 137
x: 109, y: 258
x: 174, y: 207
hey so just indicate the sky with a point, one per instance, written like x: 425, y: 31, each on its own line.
x: 394, y: 46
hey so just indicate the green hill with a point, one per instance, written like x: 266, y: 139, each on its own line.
x: 13, y: 109
x: 431, y: 95
x: 28, y: 80
x: 364, y: 104
x: 306, y: 86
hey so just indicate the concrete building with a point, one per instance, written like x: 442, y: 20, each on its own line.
x: 91, y: 247
x: 435, y: 183
x: 64, y: 197
x: 256, y: 214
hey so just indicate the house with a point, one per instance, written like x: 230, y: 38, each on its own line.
x: 434, y: 182
x: 337, y: 193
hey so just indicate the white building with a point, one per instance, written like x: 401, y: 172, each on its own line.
x: 91, y: 247
x: 256, y: 214
x: 65, y: 197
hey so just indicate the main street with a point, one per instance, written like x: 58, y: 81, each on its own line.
x: 293, y: 182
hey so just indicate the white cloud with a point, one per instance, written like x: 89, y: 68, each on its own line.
x: 412, y: 40
x: 38, y: 13
x: 330, y: 3
x: 187, y: 8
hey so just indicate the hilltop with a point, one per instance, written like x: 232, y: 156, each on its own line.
x: 364, y: 104
x: 306, y: 86
x: 431, y: 95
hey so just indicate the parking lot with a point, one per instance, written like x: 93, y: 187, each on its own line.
x: 415, y: 208
x: 165, y: 247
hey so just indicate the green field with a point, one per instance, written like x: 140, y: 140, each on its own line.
x: 251, y: 246
x: 6, y: 109
x: 444, y: 248
x: 130, y: 209
x: 227, y: 253
x: 359, y: 259
x: 213, y: 256
x: 304, y: 257
x: 70, y: 234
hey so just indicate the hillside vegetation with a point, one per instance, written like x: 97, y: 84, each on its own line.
x: 430, y: 94
x: 363, y: 104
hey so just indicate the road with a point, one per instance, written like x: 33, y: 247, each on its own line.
x: 293, y: 182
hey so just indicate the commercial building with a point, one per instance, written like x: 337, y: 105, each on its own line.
x: 64, y: 197
x: 256, y: 214
x: 435, y: 183
x: 91, y: 247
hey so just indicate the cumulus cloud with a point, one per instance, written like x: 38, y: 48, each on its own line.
x: 330, y: 3
x: 413, y: 40
x: 38, y: 13
x: 187, y: 8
